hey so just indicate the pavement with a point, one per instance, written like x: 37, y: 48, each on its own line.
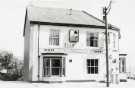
x: 22, y: 84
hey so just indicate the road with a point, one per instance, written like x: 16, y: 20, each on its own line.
x: 20, y: 84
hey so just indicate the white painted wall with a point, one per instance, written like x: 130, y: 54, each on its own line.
x: 27, y: 75
x: 34, y: 52
x: 64, y: 36
x: 77, y: 69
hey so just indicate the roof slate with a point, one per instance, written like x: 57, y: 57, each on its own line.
x: 60, y: 15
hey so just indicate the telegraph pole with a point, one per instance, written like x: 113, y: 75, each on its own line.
x: 106, y: 10
x: 38, y: 53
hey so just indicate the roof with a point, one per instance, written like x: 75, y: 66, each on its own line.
x: 63, y: 17
x: 60, y: 15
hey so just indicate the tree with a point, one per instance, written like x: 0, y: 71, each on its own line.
x: 12, y: 65
x: 5, y: 59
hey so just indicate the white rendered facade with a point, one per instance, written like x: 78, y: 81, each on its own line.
x: 58, y: 57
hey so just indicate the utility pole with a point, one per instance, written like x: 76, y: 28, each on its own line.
x: 106, y: 10
x: 38, y: 53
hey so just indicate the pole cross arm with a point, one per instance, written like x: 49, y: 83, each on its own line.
x: 107, y: 9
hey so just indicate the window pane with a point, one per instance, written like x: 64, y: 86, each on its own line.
x: 96, y: 62
x: 46, y: 71
x: 56, y: 63
x: 63, y: 72
x: 92, y: 38
x: 88, y: 62
x: 91, y: 43
x: 64, y: 66
x: 88, y: 69
x: 92, y: 70
x: 95, y: 43
x: 92, y: 62
x: 55, y: 71
x: 47, y: 63
x: 56, y: 66
x: 96, y: 70
x: 46, y: 66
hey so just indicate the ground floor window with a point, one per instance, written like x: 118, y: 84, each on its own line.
x: 92, y: 66
x: 53, y: 66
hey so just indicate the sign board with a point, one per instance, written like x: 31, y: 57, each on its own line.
x: 73, y: 35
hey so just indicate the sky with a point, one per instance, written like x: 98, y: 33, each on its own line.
x: 12, y: 14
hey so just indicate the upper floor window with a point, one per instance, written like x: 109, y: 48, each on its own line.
x: 54, y: 37
x: 92, y: 66
x: 92, y: 39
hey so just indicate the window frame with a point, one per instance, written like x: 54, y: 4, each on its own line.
x: 48, y: 70
x: 94, y: 67
x: 92, y: 39
x: 54, y: 37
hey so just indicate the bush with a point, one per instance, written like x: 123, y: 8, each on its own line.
x: 9, y: 77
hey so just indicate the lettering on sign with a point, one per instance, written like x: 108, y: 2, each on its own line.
x: 98, y: 51
x: 69, y: 45
x: 48, y: 49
